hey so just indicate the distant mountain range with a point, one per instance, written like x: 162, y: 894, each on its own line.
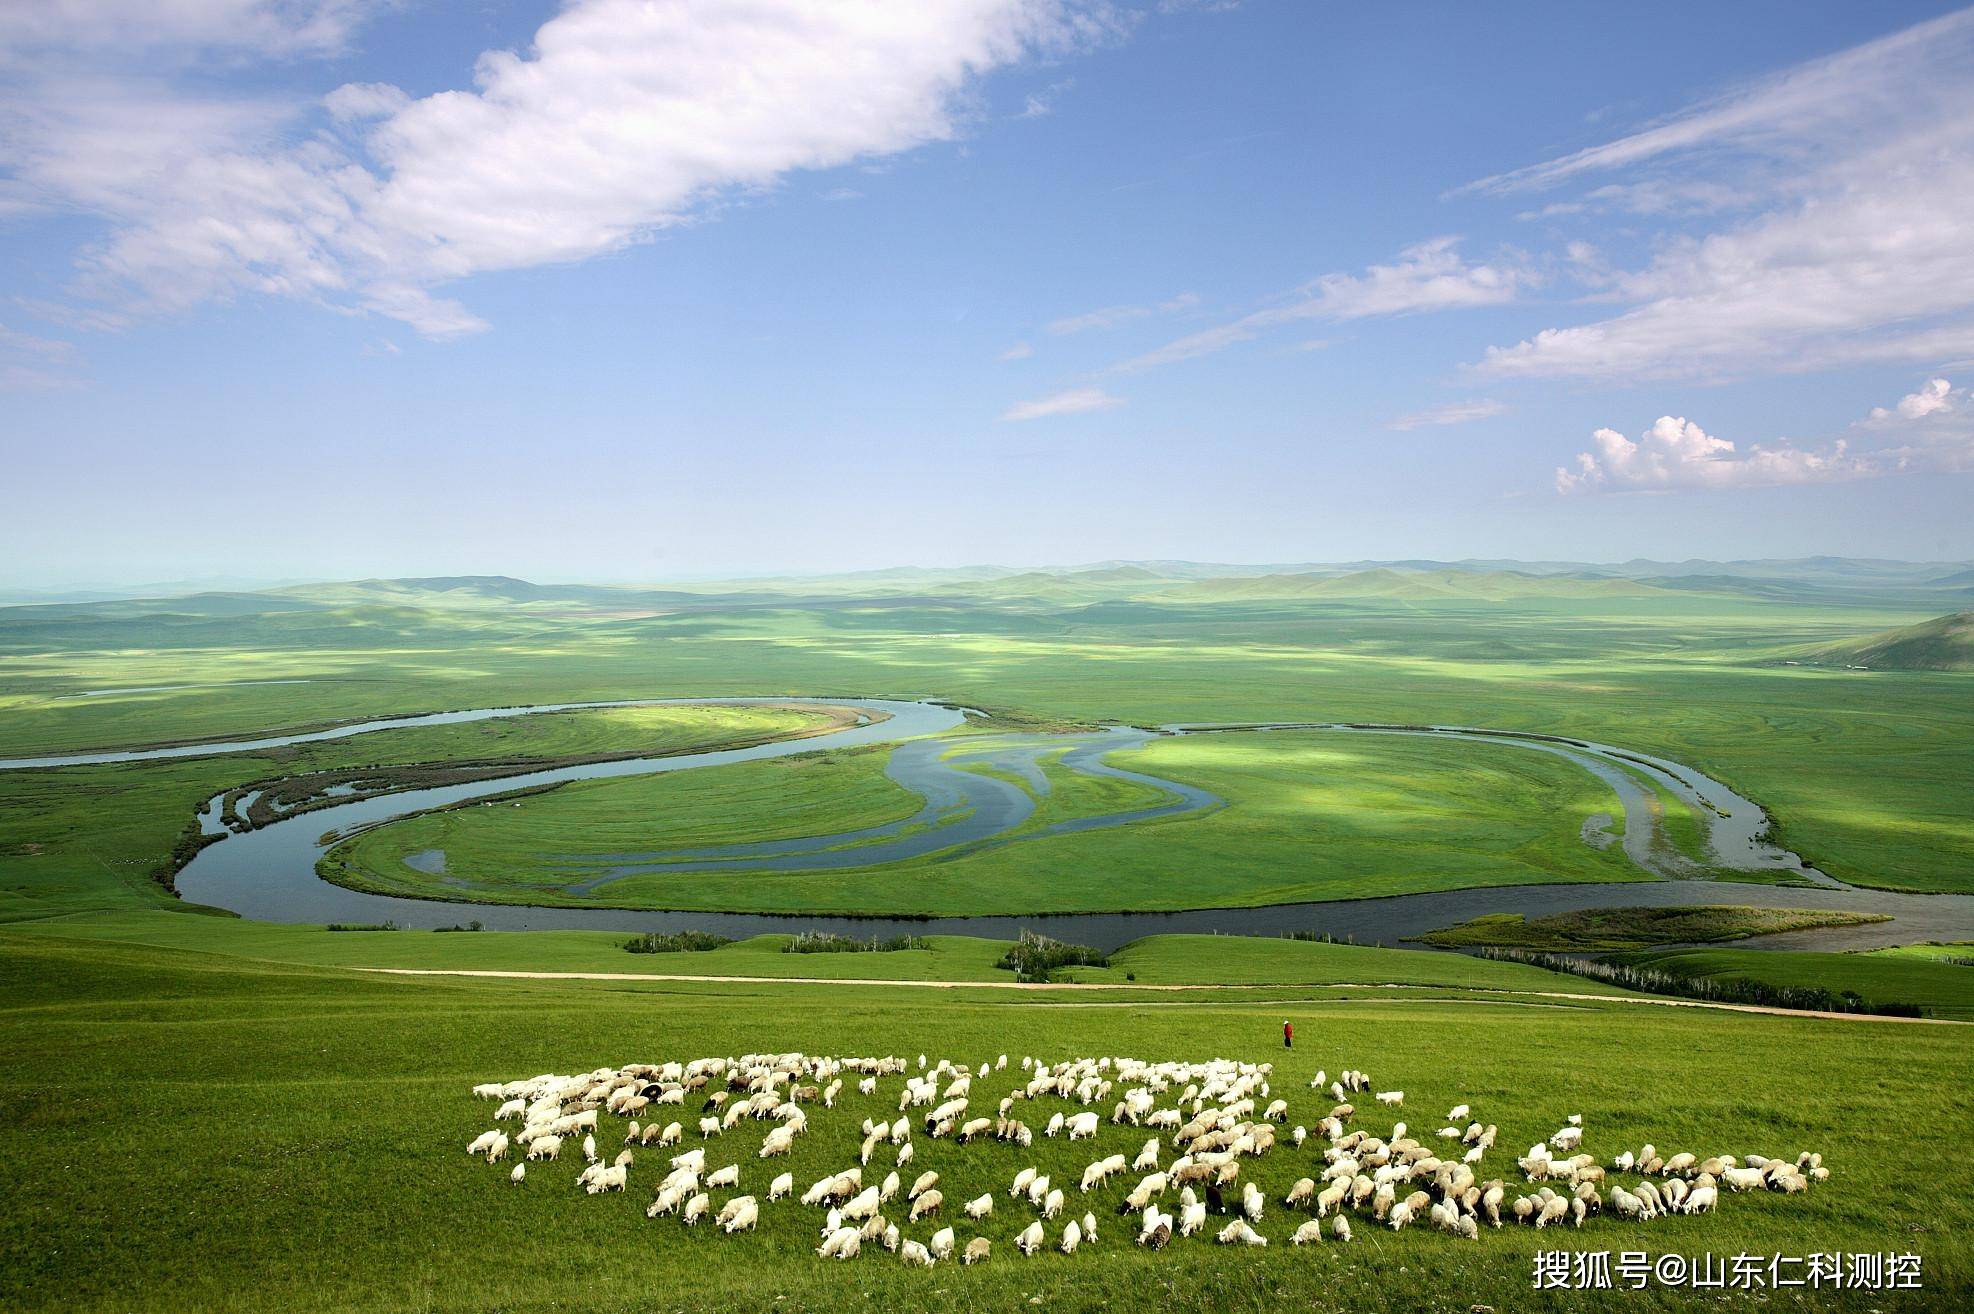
x: 1831, y: 579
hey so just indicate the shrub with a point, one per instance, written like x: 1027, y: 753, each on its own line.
x: 470, y: 926
x: 359, y: 926
x: 1718, y: 990
x: 1033, y: 957
x: 827, y: 942
x: 679, y: 942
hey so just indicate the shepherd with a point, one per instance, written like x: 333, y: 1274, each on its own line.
x: 1288, y: 1035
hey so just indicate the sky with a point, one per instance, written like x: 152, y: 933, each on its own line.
x: 646, y: 289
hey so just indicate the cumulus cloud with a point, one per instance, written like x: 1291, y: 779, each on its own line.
x: 1675, y: 454
x: 1461, y: 412
x: 1857, y: 172
x: 1072, y: 401
x: 622, y: 118
x: 1429, y: 276
x: 1937, y: 397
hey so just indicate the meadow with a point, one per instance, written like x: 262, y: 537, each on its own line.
x: 1308, y: 816
x: 291, y: 1138
x: 198, y: 1111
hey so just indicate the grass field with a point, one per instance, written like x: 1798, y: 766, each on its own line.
x: 1628, y: 928
x: 1309, y: 816
x: 1865, y: 772
x: 292, y: 1139
x: 96, y: 836
x: 202, y: 1112
x: 1942, y: 989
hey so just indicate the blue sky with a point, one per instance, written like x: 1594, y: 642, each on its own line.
x: 617, y: 290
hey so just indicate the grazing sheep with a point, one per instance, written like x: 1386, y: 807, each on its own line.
x: 843, y: 1243
x: 1239, y: 1233
x: 519, y: 1175
x: 1304, y: 1189
x: 1051, y: 1204
x: 1038, y: 1191
x: 1310, y: 1233
x: 976, y: 1249
x: 1391, y: 1097
x: 980, y: 1206
x: 1022, y: 1180
x: 915, y: 1255
x: 727, y: 1176
x: 1082, y: 1126
x: 697, y: 1208
x: 1072, y: 1237
x: 1192, y: 1218
x: 545, y: 1147
x: 1030, y: 1239
x: 925, y: 1182
x: 1341, y: 1226
x: 780, y: 1186
x: 926, y: 1204
x: 1700, y: 1200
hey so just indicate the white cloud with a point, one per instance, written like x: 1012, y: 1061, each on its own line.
x: 652, y: 113
x: 1019, y: 351
x: 30, y: 363
x: 1677, y: 454
x: 1426, y: 277
x: 1074, y: 401
x: 1462, y: 412
x: 1936, y: 398
x: 1107, y: 317
x: 1859, y: 171
x: 276, y: 28
x: 1111, y: 316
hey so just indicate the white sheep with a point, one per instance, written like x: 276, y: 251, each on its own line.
x: 1239, y: 1233
x: 976, y: 1250
x: 1309, y: 1233
x: 727, y: 1176
x: 941, y: 1244
x: 1072, y: 1237
x: 780, y: 1186
x: 1030, y: 1240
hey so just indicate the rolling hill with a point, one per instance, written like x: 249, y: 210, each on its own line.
x: 1409, y: 585
x: 1945, y: 643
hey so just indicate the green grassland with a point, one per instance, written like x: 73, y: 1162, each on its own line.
x: 1941, y: 989
x: 97, y: 836
x: 1627, y: 928
x: 291, y: 1139
x: 200, y: 1112
x: 1865, y: 772
x: 1932, y: 950
x: 1309, y: 816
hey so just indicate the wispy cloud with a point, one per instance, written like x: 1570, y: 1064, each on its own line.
x: 1019, y: 351
x: 1111, y: 316
x: 31, y: 363
x: 374, y: 198
x: 1426, y: 277
x: 1857, y: 175
x: 1461, y: 412
x: 1072, y: 401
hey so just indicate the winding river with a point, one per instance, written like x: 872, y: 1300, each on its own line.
x: 973, y: 797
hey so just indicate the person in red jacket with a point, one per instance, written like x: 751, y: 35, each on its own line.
x: 1288, y: 1035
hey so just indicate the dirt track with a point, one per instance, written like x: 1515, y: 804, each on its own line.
x: 1508, y: 995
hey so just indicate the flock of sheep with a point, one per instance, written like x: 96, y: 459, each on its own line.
x: 1207, y: 1120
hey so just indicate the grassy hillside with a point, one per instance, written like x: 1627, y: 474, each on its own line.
x: 292, y: 1138
x: 1945, y: 643
x: 1940, y: 988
